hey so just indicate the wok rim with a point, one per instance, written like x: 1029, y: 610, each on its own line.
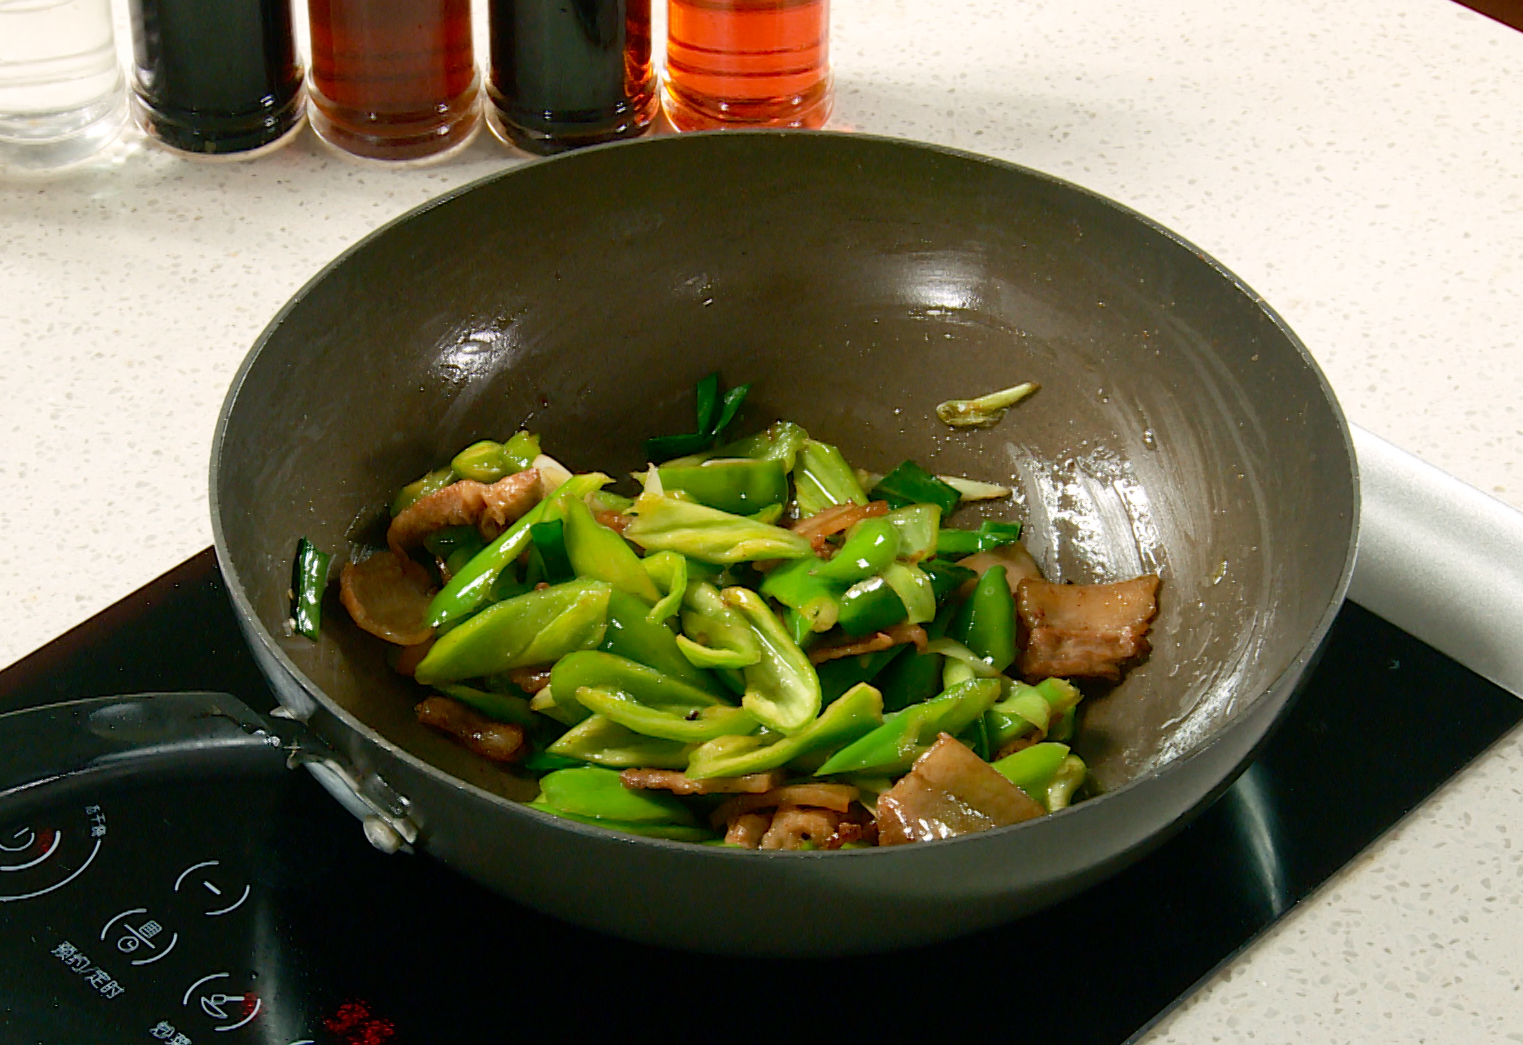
x: 1288, y: 676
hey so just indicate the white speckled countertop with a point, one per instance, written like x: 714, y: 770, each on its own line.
x: 1360, y: 164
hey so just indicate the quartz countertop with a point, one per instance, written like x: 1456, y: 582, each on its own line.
x: 1358, y: 164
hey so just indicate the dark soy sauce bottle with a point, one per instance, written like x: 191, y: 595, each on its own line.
x: 570, y: 72
x: 215, y: 76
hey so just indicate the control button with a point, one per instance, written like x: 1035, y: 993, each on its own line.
x: 35, y: 860
x: 198, y: 880
x: 147, y: 933
x: 230, y: 1011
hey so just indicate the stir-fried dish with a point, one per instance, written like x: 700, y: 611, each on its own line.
x: 766, y: 648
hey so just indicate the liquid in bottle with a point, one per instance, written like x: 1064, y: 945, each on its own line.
x: 62, y: 96
x: 570, y: 72
x: 393, y: 79
x: 216, y: 79
x: 756, y: 63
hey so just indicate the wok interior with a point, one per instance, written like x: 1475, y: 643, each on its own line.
x: 856, y: 283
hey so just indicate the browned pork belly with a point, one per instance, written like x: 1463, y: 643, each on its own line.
x: 835, y: 519
x: 950, y: 791
x: 879, y: 640
x: 489, y: 508
x: 499, y: 741
x: 678, y: 782
x: 1084, y: 630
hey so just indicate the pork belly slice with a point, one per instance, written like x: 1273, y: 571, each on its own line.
x: 678, y: 783
x: 950, y: 791
x: 499, y: 741
x: 388, y: 596
x: 491, y: 508
x: 1084, y: 630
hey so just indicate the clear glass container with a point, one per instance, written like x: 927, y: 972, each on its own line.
x: 62, y: 94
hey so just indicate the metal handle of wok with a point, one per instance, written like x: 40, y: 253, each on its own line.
x: 85, y: 743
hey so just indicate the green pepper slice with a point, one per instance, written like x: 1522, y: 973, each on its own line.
x: 707, y: 534
x: 537, y: 627
x: 596, y: 739
x: 906, y: 735
x: 596, y: 792
x: 689, y: 725
x: 740, y: 486
x: 782, y: 689
x: 596, y: 551
x: 858, y: 711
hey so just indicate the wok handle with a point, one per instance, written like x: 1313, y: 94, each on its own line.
x: 85, y: 743
x: 92, y: 741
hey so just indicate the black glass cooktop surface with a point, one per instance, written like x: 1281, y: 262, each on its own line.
x: 248, y: 908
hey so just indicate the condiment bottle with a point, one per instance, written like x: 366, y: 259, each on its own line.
x: 393, y: 79
x: 61, y: 91
x: 570, y: 72
x: 747, y: 63
x: 216, y: 78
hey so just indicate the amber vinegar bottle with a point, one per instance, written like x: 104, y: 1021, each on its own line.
x: 747, y: 63
x: 393, y: 79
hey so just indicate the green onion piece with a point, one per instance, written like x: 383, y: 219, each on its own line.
x: 731, y: 406
x: 989, y: 535
x: 309, y: 578
x: 912, y: 484
x: 985, y: 410
x: 707, y: 396
x: 663, y: 447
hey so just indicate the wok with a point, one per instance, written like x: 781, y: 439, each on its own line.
x: 1181, y: 427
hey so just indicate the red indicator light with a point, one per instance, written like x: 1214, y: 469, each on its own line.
x: 356, y: 1024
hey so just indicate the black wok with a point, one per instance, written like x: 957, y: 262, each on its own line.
x: 1181, y: 427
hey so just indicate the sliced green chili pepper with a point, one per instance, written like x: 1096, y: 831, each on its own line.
x: 1033, y: 768
x: 782, y: 690
x: 870, y: 548
x: 485, y: 462
x: 821, y: 478
x: 608, y: 501
x: 976, y: 738
x: 989, y: 535
x: 309, y: 579
x: 707, y: 534
x: 631, y: 634
x: 690, y: 725
x: 1025, y: 708
x: 606, y: 743
x: 649, y: 686
x: 599, y: 793
x: 668, y: 571
x: 986, y: 622
x: 946, y: 577
x: 909, y: 679
x: 906, y: 735
x: 739, y: 485
x: 506, y: 585
x: 914, y: 590
x: 716, y: 636
x: 544, y: 762
x: 912, y: 484
x: 548, y: 553
x: 1068, y: 779
x: 781, y: 441
x: 537, y: 627
x: 856, y: 713
x: 598, y: 552
x: 471, y: 588
x: 675, y: 832
x: 1063, y: 729
x: 839, y: 675
x: 504, y: 707
x: 418, y: 489
x: 520, y: 451
x: 870, y: 606
x: 918, y: 526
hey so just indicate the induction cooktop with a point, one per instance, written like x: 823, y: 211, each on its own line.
x: 243, y: 905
